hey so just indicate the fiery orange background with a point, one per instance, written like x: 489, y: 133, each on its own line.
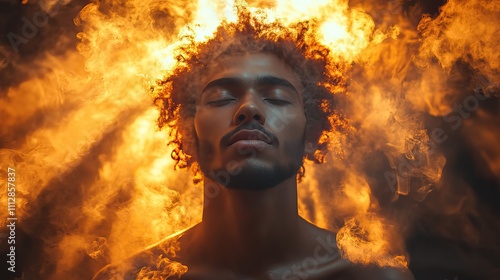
x: 414, y: 180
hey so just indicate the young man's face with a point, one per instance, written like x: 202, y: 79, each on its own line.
x: 250, y: 122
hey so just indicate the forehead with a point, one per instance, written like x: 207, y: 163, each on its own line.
x: 249, y: 67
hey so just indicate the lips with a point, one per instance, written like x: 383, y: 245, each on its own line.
x: 249, y: 135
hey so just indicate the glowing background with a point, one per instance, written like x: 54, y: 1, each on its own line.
x: 95, y: 178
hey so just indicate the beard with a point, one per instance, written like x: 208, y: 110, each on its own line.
x: 253, y: 173
x: 259, y: 177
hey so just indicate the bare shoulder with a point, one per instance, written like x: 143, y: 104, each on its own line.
x: 382, y: 273
x: 327, y: 263
x: 159, y: 260
x: 129, y: 268
x: 111, y: 272
x: 342, y: 269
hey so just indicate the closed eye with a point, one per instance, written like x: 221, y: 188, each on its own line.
x: 279, y: 102
x: 221, y: 102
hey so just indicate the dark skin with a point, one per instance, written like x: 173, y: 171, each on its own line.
x: 251, y: 231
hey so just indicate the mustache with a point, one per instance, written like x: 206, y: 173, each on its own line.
x: 248, y: 126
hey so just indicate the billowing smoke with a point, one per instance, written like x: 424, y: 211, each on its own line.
x: 414, y: 177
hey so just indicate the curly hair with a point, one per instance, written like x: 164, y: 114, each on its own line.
x: 296, y: 45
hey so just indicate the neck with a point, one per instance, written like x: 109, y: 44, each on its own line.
x: 258, y: 223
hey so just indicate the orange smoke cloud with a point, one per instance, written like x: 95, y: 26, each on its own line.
x: 96, y: 182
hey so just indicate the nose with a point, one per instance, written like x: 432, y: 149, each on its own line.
x: 248, y: 111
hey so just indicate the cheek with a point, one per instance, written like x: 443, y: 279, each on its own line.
x: 200, y: 126
x: 301, y: 124
x: 288, y: 123
x: 208, y: 126
x: 296, y: 132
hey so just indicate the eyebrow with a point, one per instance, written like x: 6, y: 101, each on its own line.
x: 262, y: 80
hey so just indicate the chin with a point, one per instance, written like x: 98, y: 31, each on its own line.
x: 257, y: 176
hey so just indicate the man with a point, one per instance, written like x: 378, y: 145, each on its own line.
x: 254, y: 105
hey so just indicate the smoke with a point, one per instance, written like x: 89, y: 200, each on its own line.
x: 419, y: 164
x: 417, y: 101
